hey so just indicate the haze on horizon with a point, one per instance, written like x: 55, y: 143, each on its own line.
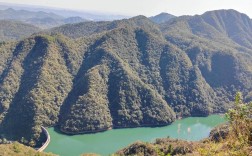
x: 142, y: 7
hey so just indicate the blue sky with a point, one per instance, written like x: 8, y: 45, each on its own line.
x: 144, y: 7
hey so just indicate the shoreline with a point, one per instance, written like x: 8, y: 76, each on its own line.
x: 123, y: 127
x: 129, y: 136
x: 110, y: 128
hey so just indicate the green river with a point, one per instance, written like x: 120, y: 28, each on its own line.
x: 108, y: 142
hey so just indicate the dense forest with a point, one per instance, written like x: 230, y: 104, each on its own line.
x: 92, y: 76
x: 231, y: 138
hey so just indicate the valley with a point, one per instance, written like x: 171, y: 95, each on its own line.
x: 116, y: 77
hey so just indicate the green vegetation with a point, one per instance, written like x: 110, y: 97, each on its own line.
x: 239, y: 138
x: 12, y: 30
x: 237, y: 141
x: 162, y: 147
x: 16, y: 149
x: 89, y: 28
x: 93, y: 76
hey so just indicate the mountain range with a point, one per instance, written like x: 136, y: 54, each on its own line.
x: 66, y: 13
x: 14, y: 30
x: 93, y: 76
x: 38, y: 18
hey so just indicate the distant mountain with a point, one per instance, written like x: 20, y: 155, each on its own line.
x: 13, y: 30
x: 40, y: 19
x: 234, y: 25
x: 88, y: 28
x: 226, y: 26
x: 89, y: 15
x: 24, y: 14
x: 76, y: 19
x: 92, y: 76
x: 212, y: 45
x: 45, y: 23
x: 162, y: 18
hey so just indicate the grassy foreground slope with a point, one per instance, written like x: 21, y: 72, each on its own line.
x: 16, y: 149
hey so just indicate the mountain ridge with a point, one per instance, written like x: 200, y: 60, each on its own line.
x: 40, y: 19
x: 14, y: 30
x: 93, y: 76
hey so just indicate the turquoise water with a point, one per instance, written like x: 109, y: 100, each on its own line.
x: 108, y: 142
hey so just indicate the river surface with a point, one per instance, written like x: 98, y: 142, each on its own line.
x: 108, y: 142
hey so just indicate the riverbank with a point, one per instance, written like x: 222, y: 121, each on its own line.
x: 108, y: 142
x: 48, y: 139
x: 111, y: 128
x: 125, y: 127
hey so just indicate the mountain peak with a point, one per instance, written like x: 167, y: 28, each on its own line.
x: 223, y: 10
x: 162, y: 18
x: 10, y: 10
x: 226, y: 13
x: 139, y: 17
x: 236, y: 25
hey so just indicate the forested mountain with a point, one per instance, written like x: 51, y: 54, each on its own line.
x: 215, y: 50
x: 93, y: 76
x: 225, y: 26
x: 162, y: 18
x: 39, y: 18
x: 13, y: 30
x: 89, y: 28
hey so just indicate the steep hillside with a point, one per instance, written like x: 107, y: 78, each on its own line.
x: 11, y: 30
x: 216, y: 54
x: 235, y: 25
x: 93, y: 76
x: 64, y: 85
x: 227, y: 27
x: 34, y: 83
